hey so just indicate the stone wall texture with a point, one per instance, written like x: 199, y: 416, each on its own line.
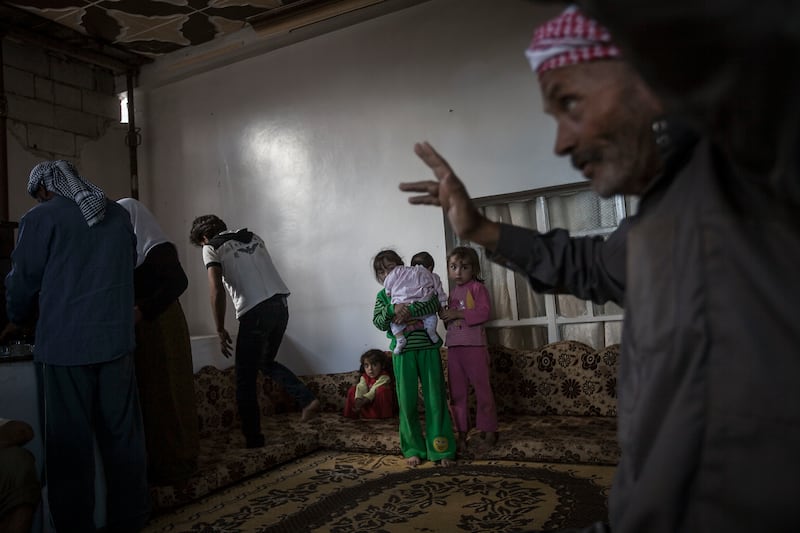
x: 54, y: 103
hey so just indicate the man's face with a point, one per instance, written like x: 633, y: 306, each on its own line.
x: 604, y: 114
x: 43, y: 195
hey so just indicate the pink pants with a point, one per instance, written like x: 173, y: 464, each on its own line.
x: 469, y: 365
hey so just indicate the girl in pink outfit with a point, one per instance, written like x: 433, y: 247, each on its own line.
x: 467, y: 355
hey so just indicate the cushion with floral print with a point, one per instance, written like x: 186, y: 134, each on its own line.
x: 561, y: 378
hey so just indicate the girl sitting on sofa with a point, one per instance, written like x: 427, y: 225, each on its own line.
x: 373, y: 396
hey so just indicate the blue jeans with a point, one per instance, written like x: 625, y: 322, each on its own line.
x: 260, y: 334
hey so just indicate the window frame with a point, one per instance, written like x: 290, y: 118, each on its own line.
x: 552, y: 320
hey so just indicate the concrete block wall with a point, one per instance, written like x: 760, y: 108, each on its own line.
x: 56, y: 104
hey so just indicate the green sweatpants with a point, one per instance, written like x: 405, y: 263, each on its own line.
x: 412, y: 367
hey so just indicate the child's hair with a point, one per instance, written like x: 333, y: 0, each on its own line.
x: 206, y: 226
x: 423, y: 258
x: 384, y: 259
x: 465, y: 253
x: 374, y: 356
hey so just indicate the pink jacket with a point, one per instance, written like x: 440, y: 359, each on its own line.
x: 473, y: 298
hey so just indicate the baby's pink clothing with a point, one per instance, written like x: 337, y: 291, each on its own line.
x: 409, y: 284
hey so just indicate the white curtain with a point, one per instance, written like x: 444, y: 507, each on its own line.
x: 512, y: 298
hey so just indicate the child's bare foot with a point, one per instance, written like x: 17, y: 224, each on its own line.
x: 447, y: 462
x: 413, y: 461
x: 310, y: 411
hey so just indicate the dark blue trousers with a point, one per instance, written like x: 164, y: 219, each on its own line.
x: 260, y: 334
x: 80, y: 403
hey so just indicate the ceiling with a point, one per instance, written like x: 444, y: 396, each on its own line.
x: 134, y: 32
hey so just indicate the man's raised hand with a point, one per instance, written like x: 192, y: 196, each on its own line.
x: 449, y: 192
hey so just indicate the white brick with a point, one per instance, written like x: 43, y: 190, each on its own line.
x: 18, y: 81
x: 26, y: 57
x: 67, y: 96
x: 19, y: 130
x: 80, y: 142
x: 101, y: 104
x: 104, y: 124
x: 104, y: 81
x: 76, y: 121
x: 44, y: 89
x: 72, y: 73
x: 51, y: 140
x: 30, y: 110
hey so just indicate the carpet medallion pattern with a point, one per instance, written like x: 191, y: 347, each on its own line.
x: 340, y: 492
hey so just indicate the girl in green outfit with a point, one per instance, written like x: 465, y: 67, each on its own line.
x: 418, y: 362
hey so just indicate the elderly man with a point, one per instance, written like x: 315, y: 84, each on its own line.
x: 75, y: 256
x: 709, y: 409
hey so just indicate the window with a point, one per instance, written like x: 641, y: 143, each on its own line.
x: 123, y: 107
x: 524, y: 319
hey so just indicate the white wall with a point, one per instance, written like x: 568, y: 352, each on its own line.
x: 306, y: 145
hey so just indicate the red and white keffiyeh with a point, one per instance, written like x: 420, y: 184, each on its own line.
x: 568, y: 39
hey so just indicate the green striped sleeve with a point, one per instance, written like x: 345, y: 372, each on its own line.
x: 429, y: 307
x: 384, y: 311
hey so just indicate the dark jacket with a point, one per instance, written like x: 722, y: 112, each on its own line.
x: 708, y: 402
x: 82, y: 278
x: 709, y: 410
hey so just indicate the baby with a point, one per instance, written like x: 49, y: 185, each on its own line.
x: 409, y: 284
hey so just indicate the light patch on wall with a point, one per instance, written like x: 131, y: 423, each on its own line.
x: 123, y: 107
x: 280, y: 157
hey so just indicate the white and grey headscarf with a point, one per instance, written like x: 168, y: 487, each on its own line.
x: 62, y: 178
x: 148, y: 233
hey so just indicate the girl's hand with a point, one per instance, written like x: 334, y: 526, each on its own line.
x: 401, y: 314
x: 449, y: 315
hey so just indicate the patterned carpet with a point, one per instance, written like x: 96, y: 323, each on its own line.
x: 346, y: 492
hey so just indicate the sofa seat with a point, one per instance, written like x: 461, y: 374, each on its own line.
x: 555, y: 404
x: 341, y: 433
x: 224, y: 460
x: 556, y: 439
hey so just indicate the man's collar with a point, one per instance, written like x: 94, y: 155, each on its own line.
x: 676, y: 138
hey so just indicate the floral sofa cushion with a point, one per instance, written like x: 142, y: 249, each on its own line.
x: 331, y: 389
x: 215, y: 394
x: 562, y: 378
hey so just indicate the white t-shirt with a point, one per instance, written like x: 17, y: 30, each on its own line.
x: 248, y: 273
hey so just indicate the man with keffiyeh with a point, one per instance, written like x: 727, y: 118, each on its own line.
x: 708, y: 402
x: 75, y: 256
